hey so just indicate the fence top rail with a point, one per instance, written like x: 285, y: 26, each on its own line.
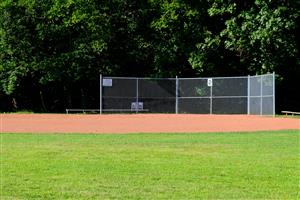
x: 183, y: 78
x: 260, y: 75
x: 205, y: 78
x: 140, y: 78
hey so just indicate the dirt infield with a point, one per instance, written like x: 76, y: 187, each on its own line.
x: 141, y: 123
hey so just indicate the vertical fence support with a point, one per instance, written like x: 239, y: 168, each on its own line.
x: 274, y: 94
x: 210, y: 105
x: 176, y: 93
x: 248, y: 96
x: 137, y: 96
x: 261, y: 95
x: 100, y: 96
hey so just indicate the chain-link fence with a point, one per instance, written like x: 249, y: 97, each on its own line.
x: 218, y: 95
x: 262, y: 94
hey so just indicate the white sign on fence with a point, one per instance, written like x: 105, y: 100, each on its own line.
x: 107, y: 82
x: 209, y: 82
x: 137, y: 106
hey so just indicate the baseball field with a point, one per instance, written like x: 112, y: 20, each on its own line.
x: 149, y: 157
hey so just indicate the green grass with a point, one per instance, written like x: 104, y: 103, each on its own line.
x: 260, y: 165
x: 288, y: 116
x: 20, y: 112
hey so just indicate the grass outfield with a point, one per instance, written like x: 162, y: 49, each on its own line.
x: 264, y: 165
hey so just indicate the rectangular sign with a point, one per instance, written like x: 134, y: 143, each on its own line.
x: 107, y: 82
x: 209, y: 82
x: 137, y: 106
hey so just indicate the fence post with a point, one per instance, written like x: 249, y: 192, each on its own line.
x: 273, y: 93
x: 137, y: 96
x: 248, y: 96
x: 210, y: 106
x: 100, y: 96
x: 176, y: 93
x: 261, y: 95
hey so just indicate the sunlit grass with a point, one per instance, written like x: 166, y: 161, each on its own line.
x: 260, y: 165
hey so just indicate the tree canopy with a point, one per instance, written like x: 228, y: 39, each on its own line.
x: 52, y: 51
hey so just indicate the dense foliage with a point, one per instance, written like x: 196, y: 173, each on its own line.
x: 52, y: 52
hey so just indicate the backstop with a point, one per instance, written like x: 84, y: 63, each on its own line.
x: 253, y: 95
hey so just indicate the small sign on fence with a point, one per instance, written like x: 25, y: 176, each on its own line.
x: 209, y: 82
x: 137, y: 106
x: 107, y: 82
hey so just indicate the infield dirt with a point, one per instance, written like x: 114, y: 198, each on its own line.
x: 141, y: 123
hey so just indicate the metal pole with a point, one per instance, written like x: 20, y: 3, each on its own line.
x: 137, y: 96
x: 261, y: 98
x: 210, y: 109
x: 248, y: 96
x: 273, y: 93
x: 100, y: 100
x: 176, y: 93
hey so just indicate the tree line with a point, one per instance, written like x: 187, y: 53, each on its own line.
x: 52, y: 51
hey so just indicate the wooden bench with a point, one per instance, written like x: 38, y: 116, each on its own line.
x: 82, y: 110
x: 105, y: 110
x: 290, y: 112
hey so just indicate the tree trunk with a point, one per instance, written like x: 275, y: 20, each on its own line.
x: 69, y: 97
x: 42, y: 101
x: 83, y: 104
x: 14, y: 103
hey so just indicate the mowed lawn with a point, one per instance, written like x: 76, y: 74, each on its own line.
x: 260, y: 165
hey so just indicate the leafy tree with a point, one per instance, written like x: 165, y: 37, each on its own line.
x: 52, y: 51
x: 257, y: 35
x: 177, y: 28
x: 52, y: 41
